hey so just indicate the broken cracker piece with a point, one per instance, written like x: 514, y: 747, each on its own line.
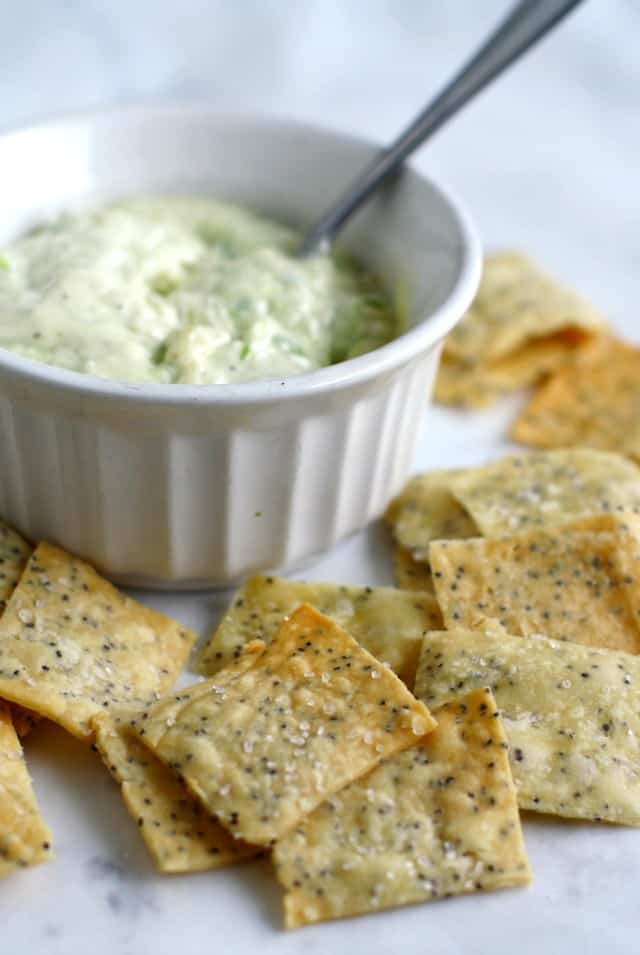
x: 25, y: 839
x: 387, y: 622
x: 571, y: 714
x: 312, y: 713
x: 72, y: 645
x: 438, y: 819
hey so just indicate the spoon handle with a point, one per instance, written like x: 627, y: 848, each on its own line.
x: 525, y: 25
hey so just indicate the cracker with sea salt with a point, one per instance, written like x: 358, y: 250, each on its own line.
x: 436, y: 820
x: 152, y: 723
x: 595, y: 401
x: 571, y: 714
x: 179, y: 834
x: 578, y: 582
x: 72, y: 645
x: 387, y: 622
x: 542, y: 488
x: 314, y: 712
x: 427, y: 509
x: 521, y: 326
x: 25, y: 839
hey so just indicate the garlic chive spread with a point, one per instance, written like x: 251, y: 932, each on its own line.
x: 184, y: 290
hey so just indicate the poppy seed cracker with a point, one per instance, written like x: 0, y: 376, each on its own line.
x: 578, y: 582
x: 435, y: 820
x: 312, y: 713
x: 387, y: 622
x: 72, y: 645
x: 25, y: 839
x: 571, y: 714
x: 543, y: 488
x: 179, y: 834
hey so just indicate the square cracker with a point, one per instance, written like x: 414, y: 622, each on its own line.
x: 436, y: 820
x: 578, y: 582
x: 547, y: 487
x: 14, y: 554
x: 312, y: 713
x: 179, y: 834
x: 428, y: 509
x: 72, y: 645
x: 387, y: 622
x: 570, y: 713
x: 409, y: 573
x: 522, y: 325
x: 595, y: 401
x: 24, y: 836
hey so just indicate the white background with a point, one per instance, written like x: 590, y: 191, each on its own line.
x: 547, y: 160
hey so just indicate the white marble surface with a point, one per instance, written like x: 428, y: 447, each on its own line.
x: 547, y: 160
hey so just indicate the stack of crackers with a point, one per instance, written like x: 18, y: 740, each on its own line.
x: 379, y: 744
x: 304, y: 739
x: 526, y: 329
x: 538, y: 583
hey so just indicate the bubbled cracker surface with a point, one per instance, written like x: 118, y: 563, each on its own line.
x: 72, y: 645
x: 314, y: 712
x: 571, y: 715
x: 579, y: 582
x: 389, y: 623
x: 24, y: 836
x: 151, y: 723
x: 14, y: 554
x: 427, y: 509
x: 178, y: 832
x: 548, y: 487
x: 438, y: 819
x: 595, y: 402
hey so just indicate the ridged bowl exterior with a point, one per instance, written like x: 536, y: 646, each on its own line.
x: 204, y: 507
x: 179, y: 486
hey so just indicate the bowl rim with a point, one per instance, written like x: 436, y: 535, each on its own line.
x: 416, y: 340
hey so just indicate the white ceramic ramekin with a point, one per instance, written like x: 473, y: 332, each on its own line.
x: 191, y: 486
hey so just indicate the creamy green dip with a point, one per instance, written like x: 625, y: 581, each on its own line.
x: 184, y: 290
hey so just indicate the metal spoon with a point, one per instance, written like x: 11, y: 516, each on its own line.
x: 527, y: 23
